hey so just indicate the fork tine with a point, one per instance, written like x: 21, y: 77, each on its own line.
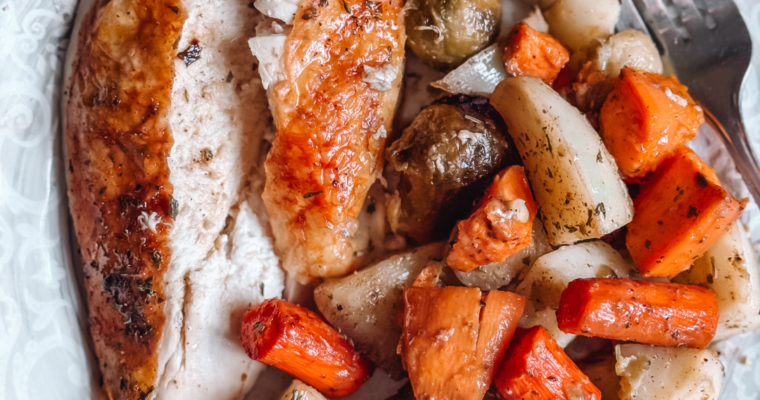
x: 692, y: 18
x: 630, y: 18
x: 655, y: 14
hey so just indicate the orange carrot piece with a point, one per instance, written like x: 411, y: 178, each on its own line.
x: 533, y: 53
x: 451, y: 346
x: 300, y: 343
x: 678, y: 215
x: 501, y: 226
x: 662, y: 314
x: 645, y: 118
x: 536, y: 368
x: 430, y: 275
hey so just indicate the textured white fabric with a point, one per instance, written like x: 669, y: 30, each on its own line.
x: 43, y: 351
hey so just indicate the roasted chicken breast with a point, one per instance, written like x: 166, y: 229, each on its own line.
x: 157, y: 116
x: 333, y: 104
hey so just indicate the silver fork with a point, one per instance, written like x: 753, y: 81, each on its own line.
x: 709, y: 48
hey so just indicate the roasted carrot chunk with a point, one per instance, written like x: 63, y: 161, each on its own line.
x: 530, y: 52
x: 536, y: 368
x: 678, y: 215
x: 645, y: 119
x: 451, y: 346
x: 298, y: 342
x: 501, y: 226
x: 662, y: 314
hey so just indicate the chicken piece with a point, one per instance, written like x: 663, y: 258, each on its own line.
x: 342, y: 69
x: 157, y: 132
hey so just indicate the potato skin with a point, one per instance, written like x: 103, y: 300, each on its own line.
x: 446, y: 161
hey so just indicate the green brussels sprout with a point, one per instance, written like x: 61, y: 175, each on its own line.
x: 447, y: 158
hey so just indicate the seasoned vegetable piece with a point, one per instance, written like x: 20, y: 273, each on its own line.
x: 301, y: 391
x: 530, y: 52
x: 645, y: 119
x: 574, y: 179
x: 365, y: 305
x: 729, y: 268
x: 452, y: 345
x: 536, y: 368
x: 663, y: 314
x: 576, y: 23
x: 595, y: 81
x: 447, y: 157
x: 495, y: 275
x: 680, y: 213
x: 667, y: 373
x: 501, y: 226
x: 549, y: 276
x: 444, y: 33
x: 298, y: 342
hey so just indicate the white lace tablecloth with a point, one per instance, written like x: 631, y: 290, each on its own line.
x: 43, y: 350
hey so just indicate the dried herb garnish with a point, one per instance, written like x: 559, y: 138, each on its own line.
x: 345, y: 7
x: 229, y: 77
x: 312, y: 194
x: 208, y: 154
x: 601, y: 210
x: 173, y: 206
x: 323, y: 3
x: 146, y: 286
x: 692, y: 212
x: 191, y: 54
x: 174, y: 9
x: 156, y: 257
x: 701, y: 180
x: 599, y: 156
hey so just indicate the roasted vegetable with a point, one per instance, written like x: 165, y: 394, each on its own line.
x: 645, y: 119
x: 729, y: 268
x: 447, y: 157
x: 574, y: 179
x: 663, y: 314
x: 444, y: 33
x: 452, y: 345
x: 501, y: 226
x: 298, y: 342
x: 595, y: 81
x: 495, y: 275
x: 549, y: 276
x: 536, y: 368
x: 301, y: 391
x: 365, y: 305
x: 530, y: 52
x: 667, y: 373
x: 576, y: 23
x: 680, y: 213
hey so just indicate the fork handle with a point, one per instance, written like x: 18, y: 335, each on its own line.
x: 734, y: 135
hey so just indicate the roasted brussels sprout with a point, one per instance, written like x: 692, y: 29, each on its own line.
x: 444, y: 33
x: 447, y: 157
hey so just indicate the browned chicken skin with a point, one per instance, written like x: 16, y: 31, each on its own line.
x: 327, y: 151
x: 118, y: 140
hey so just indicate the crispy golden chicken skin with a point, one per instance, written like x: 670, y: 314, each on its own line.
x: 117, y: 138
x: 331, y: 128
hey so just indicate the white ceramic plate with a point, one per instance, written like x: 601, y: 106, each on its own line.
x: 44, y: 351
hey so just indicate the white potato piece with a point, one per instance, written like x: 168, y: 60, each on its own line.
x: 667, y: 373
x: 576, y: 23
x: 629, y: 48
x: 574, y: 178
x: 496, y: 275
x: 301, y: 391
x: 364, y: 305
x: 729, y: 268
x: 549, y: 276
